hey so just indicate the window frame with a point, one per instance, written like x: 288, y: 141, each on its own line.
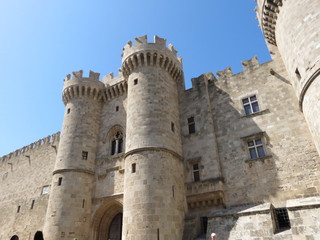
x: 257, y: 144
x: 117, y: 143
x: 262, y: 136
x: 250, y: 103
x: 191, y: 125
x: 278, y: 220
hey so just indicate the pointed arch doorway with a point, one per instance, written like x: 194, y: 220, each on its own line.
x: 115, y: 229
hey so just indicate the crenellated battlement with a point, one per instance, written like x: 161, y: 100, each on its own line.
x: 151, y: 54
x: 51, y: 139
x: 267, y: 13
x: 78, y: 86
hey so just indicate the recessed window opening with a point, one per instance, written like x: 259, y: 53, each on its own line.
x: 84, y: 155
x: 83, y: 203
x: 14, y: 237
x: 196, y: 172
x: 117, y: 144
x: 172, y: 127
x: 172, y: 191
x: 256, y: 149
x: 68, y: 111
x: 298, y: 75
x: 32, y: 204
x: 18, y: 209
x: 191, y: 125
x: 133, y: 167
x: 135, y: 82
x: 117, y: 108
x: 59, y: 181
x: 45, y: 190
x: 158, y: 234
x: 250, y: 105
x: 38, y: 236
x: 281, y: 219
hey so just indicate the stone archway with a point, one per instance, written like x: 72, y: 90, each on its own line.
x: 107, y: 221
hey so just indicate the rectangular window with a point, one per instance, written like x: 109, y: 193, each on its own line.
x: 84, y: 155
x: 133, y: 168
x: 256, y: 148
x: 191, y: 125
x: 250, y: 105
x: 120, y: 145
x: 196, y: 172
x: 172, y: 127
x: 281, y: 219
x: 59, y: 181
x: 18, y: 209
x: 135, y: 82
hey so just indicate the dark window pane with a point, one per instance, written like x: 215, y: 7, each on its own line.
x: 255, y: 107
x: 192, y: 128
x: 246, y: 100
x: 250, y: 144
x: 113, y: 147
x: 195, y: 166
x: 247, y: 109
x: 196, y: 176
x: 120, y: 144
x: 261, y: 152
x: 258, y: 142
x: 253, y: 153
x: 190, y: 119
x: 253, y: 98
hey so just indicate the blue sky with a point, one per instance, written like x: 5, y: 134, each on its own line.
x: 42, y: 41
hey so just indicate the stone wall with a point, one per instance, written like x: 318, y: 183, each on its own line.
x: 24, y: 178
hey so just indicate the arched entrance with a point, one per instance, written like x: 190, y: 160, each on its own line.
x: 115, y: 229
x: 38, y: 236
x: 14, y: 237
x: 107, y: 220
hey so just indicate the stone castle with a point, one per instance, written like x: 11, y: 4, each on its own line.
x: 141, y: 158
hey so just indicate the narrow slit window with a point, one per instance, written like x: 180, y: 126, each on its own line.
x: 117, y: 108
x: 172, y: 127
x: 173, y: 191
x: 196, y: 172
x: 135, y: 82
x: 83, y: 203
x: 191, y: 125
x: 133, y: 168
x: 84, y: 155
x: 18, y: 209
x: 68, y: 111
x: 59, y: 181
x: 32, y: 204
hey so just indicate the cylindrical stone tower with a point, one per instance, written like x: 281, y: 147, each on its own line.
x: 69, y: 207
x: 154, y: 195
x: 291, y: 28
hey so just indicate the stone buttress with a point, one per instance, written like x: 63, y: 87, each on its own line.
x: 154, y: 195
x: 69, y: 207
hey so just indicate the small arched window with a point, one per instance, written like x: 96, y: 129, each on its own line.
x: 38, y: 236
x: 14, y: 237
x: 117, y: 143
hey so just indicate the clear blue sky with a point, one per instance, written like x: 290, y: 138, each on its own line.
x: 42, y: 41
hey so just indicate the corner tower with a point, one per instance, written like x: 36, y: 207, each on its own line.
x: 154, y: 195
x: 291, y: 29
x: 69, y: 207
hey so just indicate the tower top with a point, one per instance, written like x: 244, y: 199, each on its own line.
x: 155, y: 54
x: 142, y: 44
